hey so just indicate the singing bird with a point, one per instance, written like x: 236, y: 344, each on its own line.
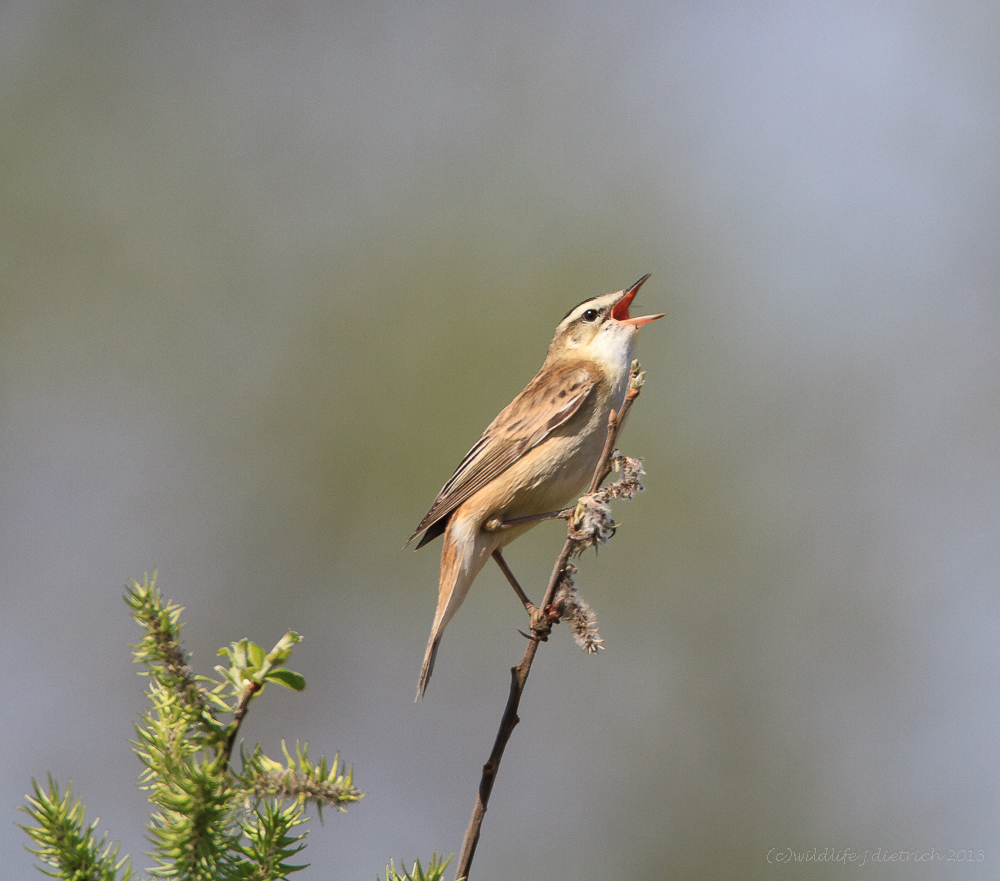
x: 538, y: 454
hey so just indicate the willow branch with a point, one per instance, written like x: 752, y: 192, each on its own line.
x: 249, y: 690
x: 540, y: 627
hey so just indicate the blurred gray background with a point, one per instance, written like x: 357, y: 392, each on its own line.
x: 268, y: 270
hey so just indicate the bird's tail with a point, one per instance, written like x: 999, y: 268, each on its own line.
x: 451, y: 595
x: 428, y: 667
x: 460, y: 564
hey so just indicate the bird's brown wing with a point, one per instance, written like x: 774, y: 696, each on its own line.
x: 551, y: 398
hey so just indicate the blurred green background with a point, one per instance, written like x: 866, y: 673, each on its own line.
x: 268, y: 270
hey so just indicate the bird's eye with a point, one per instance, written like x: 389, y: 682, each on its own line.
x: 590, y: 315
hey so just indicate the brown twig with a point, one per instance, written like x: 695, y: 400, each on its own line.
x: 249, y: 690
x: 539, y: 629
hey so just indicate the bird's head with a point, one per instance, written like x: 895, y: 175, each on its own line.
x: 600, y: 329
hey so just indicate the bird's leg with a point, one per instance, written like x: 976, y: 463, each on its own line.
x: 529, y: 606
x: 496, y: 524
x: 541, y: 620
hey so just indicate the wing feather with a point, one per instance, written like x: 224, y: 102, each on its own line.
x: 548, y: 401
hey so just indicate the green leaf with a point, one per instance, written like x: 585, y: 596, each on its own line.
x: 255, y: 653
x: 288, y: 678
x: 283, y: 649
x: 240, y: 653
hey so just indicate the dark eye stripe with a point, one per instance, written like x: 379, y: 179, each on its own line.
x: 577, y: 306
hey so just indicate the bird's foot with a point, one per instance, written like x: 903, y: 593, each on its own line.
x: 543, y: 619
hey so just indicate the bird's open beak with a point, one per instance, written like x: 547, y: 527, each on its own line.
x: 620, y: 311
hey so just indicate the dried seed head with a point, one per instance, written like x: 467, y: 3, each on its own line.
x: 591, y: 524
x: 626, y: 486
x: 583, y: 619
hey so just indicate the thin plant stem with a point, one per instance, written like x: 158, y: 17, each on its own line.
x: 519, y: 674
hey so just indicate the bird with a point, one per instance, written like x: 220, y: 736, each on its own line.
x: 537, y: 455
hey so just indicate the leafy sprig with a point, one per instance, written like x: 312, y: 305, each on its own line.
x: 210, y: 821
